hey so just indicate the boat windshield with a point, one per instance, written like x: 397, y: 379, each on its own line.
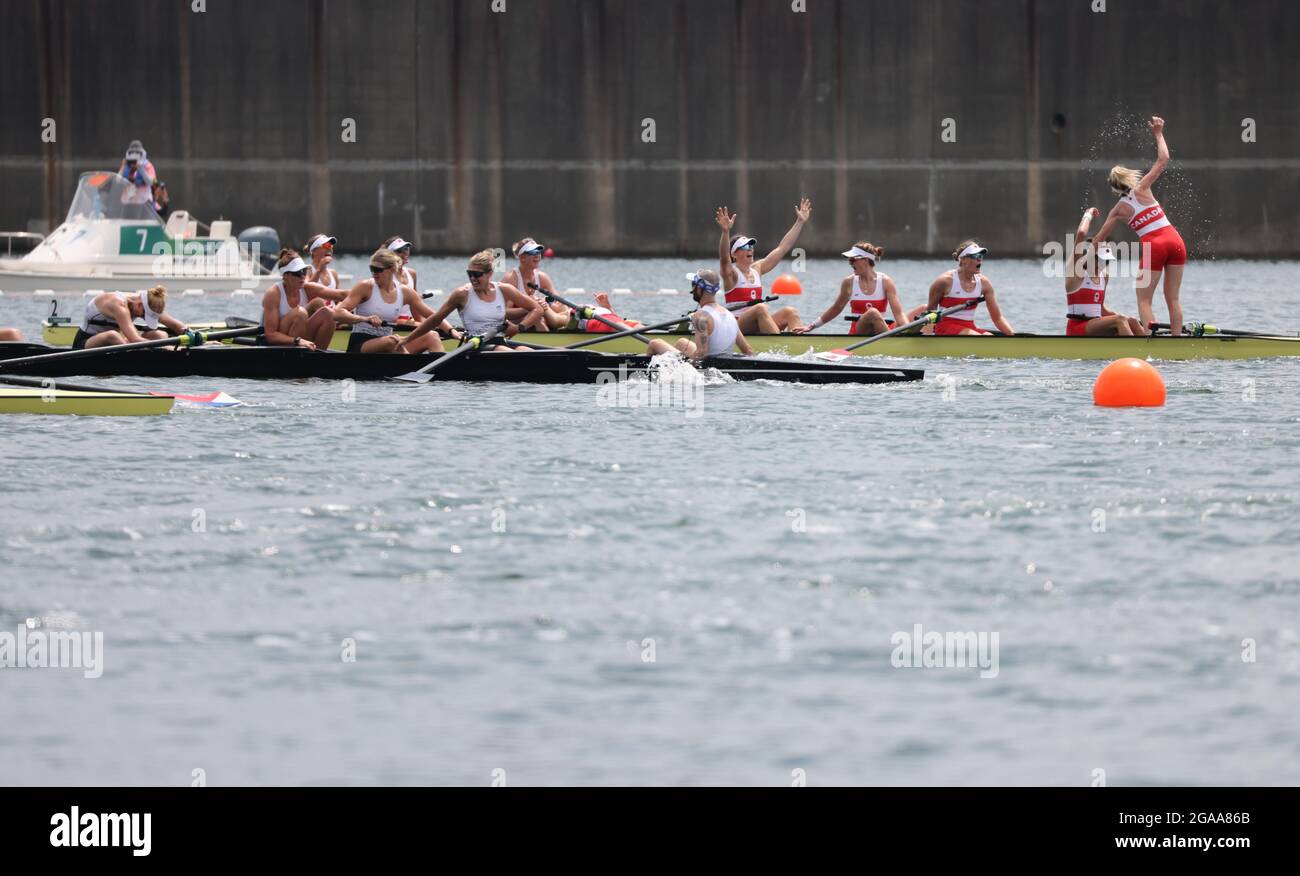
x: 103, y: 194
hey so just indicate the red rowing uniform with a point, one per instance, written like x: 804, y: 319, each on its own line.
x: 1161, y: 243
x: 962, y: 320
x: 1084, y: 304
x: 861, y: 302
x: 748, y: 289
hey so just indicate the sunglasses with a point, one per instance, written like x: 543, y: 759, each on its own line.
x: 377, y: 269
x: 325, y: 246
x: 533, y: 252
x: 298, y: 274
x: 474, y: 275
x: 748, y: 246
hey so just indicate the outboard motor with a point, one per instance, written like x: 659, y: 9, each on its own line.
x: 267, y: 242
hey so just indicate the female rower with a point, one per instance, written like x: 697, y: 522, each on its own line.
x: 716, y: 329
x: 1085, y: 289
x: 290, y: 316
x: 528, y: 278
x: 482, y: 305
x: 320, y: 249
x: 1163, y: 249
x: 110, y: 318
x: 870, y: 295
x: 964, y: 285
x: 372, y: 306
x: 742, y: 276
x: 406, y: 276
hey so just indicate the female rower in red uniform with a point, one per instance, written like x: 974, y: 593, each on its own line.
x: 1085, y: 289
x: 870, y: 295
x: 1162, y: 246
x: 742, y: 277
x: 965, y: 284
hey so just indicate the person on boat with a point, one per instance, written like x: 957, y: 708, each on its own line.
x: 139, y: 171
x: 1163, y: 249
x: 161, y: 200
x: 10, y: 334
x: 320, y: 249
x: 715, y: 330
x: 483, y: 306
x: 291, y: 316
x: 584, y: 323
x: 372, y: 306
x: 406, y: 276
x: 1085, y: 289
x: 110, y: 318
x: 871, y: 295
x: 965, y: 284
x: 528, y: 277
x: 742, y: 277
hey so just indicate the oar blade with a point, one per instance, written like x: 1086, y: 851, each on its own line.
x: 835, y: 355
x: 414, y: 377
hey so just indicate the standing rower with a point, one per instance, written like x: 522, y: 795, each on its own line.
x: 289, y: 315
x: 482, y: 305
x: 964, y: 285
x: 110, y: 317
x: 716, y: 329
x: 372, y: 307
x: 1085, y: 289
x: 528, y: 278
x: 742, y: 277
x: 1162, y: 246
x: 871, y: 295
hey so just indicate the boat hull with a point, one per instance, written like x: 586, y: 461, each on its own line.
x: 917, y: 346
x: 293, y: 363
x: 87, y: 404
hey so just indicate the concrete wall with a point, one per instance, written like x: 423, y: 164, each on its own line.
x: 476, y: 127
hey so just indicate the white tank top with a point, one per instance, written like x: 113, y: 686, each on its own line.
x: 517, y: 274
x: 93, y: 321
x: 725, y: 330
x: 375, y: 305
x: 747, y: 288
x: 1146, y: 217
x: 957, y: 295
x: 861, y: 301
x: 285, y: 306
x: 484, y: 317
x: 406, y: 280
x: 328, y: 282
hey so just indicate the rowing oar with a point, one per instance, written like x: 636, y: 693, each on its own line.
x: 425, y: 374
x: 207, y: 400
x: 189, y: 339
x: 1201, y: 330
x: 590, y: 313
x: 932, y: 316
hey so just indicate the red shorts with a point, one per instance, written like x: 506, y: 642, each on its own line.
x: 595, y: 326
x: 857, y: 323
x: 950, y: 326
x: 1076, y: 327
x: 1160, y: 248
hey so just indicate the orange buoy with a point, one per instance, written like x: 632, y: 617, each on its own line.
x: 1129, y: 383
x: 549, y: 254
x: 787, y: 284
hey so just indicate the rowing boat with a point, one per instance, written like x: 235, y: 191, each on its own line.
x: 910, y: 346
x: 296, y: 363
x: 16, y: 400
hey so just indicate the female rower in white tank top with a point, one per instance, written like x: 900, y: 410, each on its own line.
x: 526, y: 276
x: 371, y: 308
x: 406, y: 276
x: 293, y: 309
x: 871, y: 294
x: 321, y: 250
x: 483, y: 306
x: 742, y: 276
x: 1085, y: 289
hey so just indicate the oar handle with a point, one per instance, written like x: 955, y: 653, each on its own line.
x: 590, y: 313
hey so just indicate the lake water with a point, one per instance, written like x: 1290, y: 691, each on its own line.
x: 571, y: 593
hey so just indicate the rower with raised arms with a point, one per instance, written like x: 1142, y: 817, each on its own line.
x: 291, y: 317
x: 742, y: 277
x: 373, y: 305
x: 1085, y: 289
x: 529, y: 278
x: 482, y: 305
x: 1162, y: 246
x: 871, y: 295
x: 109, y: 319
x: 715, y: 330
x: 965, y: 284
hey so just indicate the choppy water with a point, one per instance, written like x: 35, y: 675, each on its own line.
x: 505, y: 557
